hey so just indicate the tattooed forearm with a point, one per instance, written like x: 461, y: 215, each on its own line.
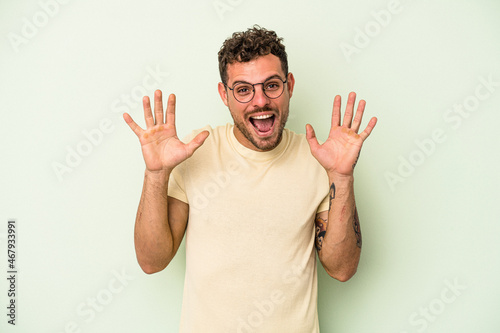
x: 332, y: 195
x: 355, y: 162
x: 320, y: 232
x: 357, y: 228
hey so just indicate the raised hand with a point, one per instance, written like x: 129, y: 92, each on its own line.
x: 161, y: 148
x: 340, y: 152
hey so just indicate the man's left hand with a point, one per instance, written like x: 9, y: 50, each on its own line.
x: 339, y: 153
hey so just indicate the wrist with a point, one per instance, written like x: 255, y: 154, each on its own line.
x: 158, y: 176
x: 343, y: 184
x: 340, y: 179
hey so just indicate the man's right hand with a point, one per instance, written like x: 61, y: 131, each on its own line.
x: 161, y: 148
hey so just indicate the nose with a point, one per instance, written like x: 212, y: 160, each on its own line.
x: 260, y: 99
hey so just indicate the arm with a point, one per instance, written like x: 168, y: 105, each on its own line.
x: 161, y: 220
x: 160, y: 224
x: 338, y: 233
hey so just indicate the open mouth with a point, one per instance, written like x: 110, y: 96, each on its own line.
x: 263, y: 124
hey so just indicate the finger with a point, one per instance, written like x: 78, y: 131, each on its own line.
x: 311, y: 138
x: 131, y: 123
x: 158, y: 108
x: 197, y: 141
x: 368, y: 128
x: 170, y: 117
x: 148, y: 115
x: 349, y: 110
x: 359, y: 116
x: 336, y: 112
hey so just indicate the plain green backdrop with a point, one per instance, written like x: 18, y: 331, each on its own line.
x: 426, y: 182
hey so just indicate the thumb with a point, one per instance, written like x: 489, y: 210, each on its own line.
x: 196, y: 142
x: 311, y: 138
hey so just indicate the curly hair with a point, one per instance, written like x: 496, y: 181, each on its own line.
x: 248, y: 45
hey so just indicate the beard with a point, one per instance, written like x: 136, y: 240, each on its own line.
x: 263, y: 144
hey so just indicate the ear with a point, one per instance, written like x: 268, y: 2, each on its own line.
x: 290, y: 84
x: 222, y: 92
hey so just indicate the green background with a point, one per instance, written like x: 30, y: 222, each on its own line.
x: 429, y: 209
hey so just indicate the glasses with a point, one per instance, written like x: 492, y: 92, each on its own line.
x: 244, y: 92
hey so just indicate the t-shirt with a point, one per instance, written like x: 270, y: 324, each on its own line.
x: 250, y: 255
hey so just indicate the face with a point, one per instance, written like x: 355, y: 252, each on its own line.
x: 259, y: 123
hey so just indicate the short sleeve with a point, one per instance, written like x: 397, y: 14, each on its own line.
x: 325, y: 204
x: 176, y: 187
x: 177, y: 180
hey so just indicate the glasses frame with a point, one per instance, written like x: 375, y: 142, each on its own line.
x: 263, y: 89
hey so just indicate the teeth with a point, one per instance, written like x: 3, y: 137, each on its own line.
x: 262, y: 117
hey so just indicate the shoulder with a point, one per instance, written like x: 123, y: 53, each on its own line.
x: 215, y: 142
x: 214, y: 131
x: 297, y: 141
x: 299, y: 151
x: 295, y: 136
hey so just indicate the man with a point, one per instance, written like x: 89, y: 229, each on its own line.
x: 258, y: 197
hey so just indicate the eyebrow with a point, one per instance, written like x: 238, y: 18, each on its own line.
x: 267, y: 79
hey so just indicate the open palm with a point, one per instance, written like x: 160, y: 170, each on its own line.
x: 339, y: 153
x: 161, y: 148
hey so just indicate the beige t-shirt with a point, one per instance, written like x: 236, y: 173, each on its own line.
x: 250, y: 255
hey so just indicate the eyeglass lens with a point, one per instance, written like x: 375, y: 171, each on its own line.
x: 244, y: 92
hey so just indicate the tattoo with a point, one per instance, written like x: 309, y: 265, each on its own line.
x: 320, y: 232
x: 332, y: 195
x: 357, y: 228
x: 355, y: 162
x: 321, y: 223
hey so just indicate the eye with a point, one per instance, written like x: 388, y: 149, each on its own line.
x: 273, y: 85
x: 243, y: 89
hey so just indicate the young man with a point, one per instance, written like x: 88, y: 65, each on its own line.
x: 259, y: 198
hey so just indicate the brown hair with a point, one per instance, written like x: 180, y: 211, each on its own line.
x: 248, y: 45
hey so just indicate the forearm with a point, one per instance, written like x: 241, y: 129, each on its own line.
x: 153, y: 237
x: 341, y: 246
